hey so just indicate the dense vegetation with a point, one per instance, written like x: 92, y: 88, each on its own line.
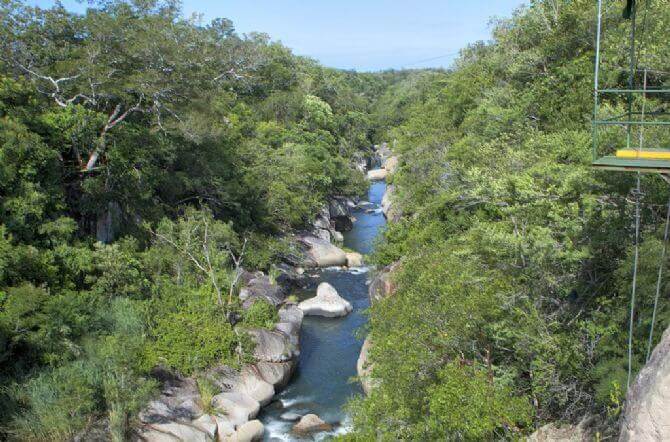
x: 511, y: 308
x: 145, y: 156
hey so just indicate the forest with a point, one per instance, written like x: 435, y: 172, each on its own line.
x: 145, y: 157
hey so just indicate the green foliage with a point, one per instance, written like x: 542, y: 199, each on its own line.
x: 164, y: 155
x: 261, y: 314
x: 190, y: 332
x: 496, y: 191
x: 467, y: 404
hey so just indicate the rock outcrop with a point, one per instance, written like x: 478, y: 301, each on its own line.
x: 377, y: 174
x: 327, y: 302
x: 340, y: 214
x: 646, y: 416
x: 391, y: 164
x: 354, y: 259
x: 389, y: 208
x: 310, y: 423
x: 179, y: 414
x: 260, y: 286
x: 562, y: 433
x: 364, y: 367
x: 321, y: 253
x: 382, y: 284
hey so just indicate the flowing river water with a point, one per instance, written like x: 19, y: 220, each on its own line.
x: 329, y: 347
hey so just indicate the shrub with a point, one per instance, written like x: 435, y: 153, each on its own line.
x: 261, y: 314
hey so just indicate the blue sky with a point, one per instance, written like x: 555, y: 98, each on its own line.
x: 365, y: 35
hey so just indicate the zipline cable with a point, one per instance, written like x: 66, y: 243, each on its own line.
x: 638, y: 195
x: 631, y: 80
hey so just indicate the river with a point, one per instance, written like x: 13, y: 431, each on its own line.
x: 329, y: 347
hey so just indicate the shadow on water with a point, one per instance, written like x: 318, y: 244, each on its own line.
x: 329, y: 348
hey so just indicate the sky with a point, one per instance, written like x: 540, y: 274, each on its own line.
x: 365, y: 35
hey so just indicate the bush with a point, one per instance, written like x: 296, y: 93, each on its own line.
x: 191, y: 333
x: 58, y: 403
x: 261, y: 314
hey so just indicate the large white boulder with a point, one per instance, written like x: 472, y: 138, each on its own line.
x: 239, y: 408
x: 646, y: 416
x: 322, y: 253
x: 377, y: 174
x: 327, y: 302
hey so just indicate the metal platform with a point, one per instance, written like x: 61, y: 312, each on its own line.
x: 632, y: 165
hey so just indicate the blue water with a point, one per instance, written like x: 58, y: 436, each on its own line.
x: 329, y: 347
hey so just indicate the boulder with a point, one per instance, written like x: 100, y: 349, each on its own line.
x: 289, y: 276
x: 276, y: 373
x: 389, y: 209
x: 249, y: 432
x: 364, y: 367
x: 391, y: 164
x: 310, y: 423
x: 337, y: 236
x: 239, y: 408
x: 173, y: 431
x: 562, y: 433
x: 290, y: 321
x: 261, y: 287
x: 354, y: 259
x: 224, y: 428
x: 271, y: 346
x: 206, y: 424
x: 323, y: 234
x: 247, y: 381
x: 382, y: 284
x: 377, y: 174
x: 338, y: 207
x: 321, y: 253
x: 290, y: 417
x: 179, y: 400
x: 646, y: 416
x: 327, y: 302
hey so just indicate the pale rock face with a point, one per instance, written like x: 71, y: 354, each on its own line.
x: 310, y: 423
x: 391, y: 164
x: 646, y: 416
x: 382, y: 284
x: 276, y: 373
x: 174, y: 431
x: 377, y: 174
x: 251, y: 431
x: 364, y: 367
x: 337, y: 236
x: 354, y: 259
x: 206, y: 424
x: 389, y: 209
x: 271, y: 346
x: 327, y: 302
x: 261, y: 287
x: 239, y: 408
x: 321, y: 253
x: 224, y: 428
x: 562, y: 433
